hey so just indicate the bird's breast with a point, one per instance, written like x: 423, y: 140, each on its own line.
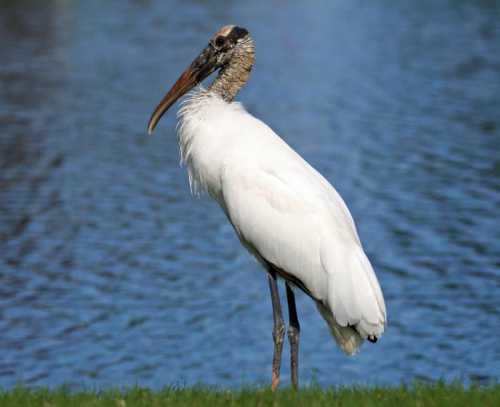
x: 207, y: 138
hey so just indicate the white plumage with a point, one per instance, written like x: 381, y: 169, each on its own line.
x: 283, y: 211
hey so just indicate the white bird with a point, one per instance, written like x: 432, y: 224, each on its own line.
x: 283, y: 211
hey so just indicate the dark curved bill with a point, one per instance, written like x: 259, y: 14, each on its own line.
x: 201, y: 67
x: 184, y: 84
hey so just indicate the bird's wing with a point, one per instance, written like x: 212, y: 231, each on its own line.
x: 289, y: 215
x: 275, y: 224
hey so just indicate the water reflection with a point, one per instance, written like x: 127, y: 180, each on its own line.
x: 112, y: 274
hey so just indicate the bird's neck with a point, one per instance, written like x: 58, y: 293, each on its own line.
x: 235, y: 74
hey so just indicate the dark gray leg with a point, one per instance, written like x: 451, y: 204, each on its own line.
x: 293, y: 336
x: 278, y: 329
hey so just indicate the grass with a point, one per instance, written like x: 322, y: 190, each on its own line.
x: 438, y: 394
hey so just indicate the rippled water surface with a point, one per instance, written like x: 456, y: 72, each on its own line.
x: 111, y: 274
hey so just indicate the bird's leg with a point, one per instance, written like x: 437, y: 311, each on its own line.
x: 293, y: 336
x: 278, y: 329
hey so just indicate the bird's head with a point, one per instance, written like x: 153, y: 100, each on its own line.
x: 227, y: 43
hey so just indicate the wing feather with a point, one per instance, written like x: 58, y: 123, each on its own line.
x: 287, y: 214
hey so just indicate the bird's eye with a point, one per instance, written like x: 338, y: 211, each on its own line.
x: 220, y: 41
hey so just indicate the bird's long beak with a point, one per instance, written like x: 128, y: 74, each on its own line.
x: 199, y: 69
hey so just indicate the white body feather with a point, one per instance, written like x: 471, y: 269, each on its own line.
x: 283, y: 211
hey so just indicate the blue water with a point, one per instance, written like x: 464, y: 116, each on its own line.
x: 111, y: 274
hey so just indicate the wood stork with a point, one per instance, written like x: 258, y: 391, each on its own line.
x: 284, y: 212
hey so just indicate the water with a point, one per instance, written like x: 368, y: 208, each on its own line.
x: 111, y: 274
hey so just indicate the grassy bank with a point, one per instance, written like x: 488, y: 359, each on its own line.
x: 417, y: 395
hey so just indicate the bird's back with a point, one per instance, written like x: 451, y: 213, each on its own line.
x: 285, y: 213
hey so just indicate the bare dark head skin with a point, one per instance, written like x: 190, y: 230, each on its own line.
x: 227, y: 51
x: 224, y: 42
